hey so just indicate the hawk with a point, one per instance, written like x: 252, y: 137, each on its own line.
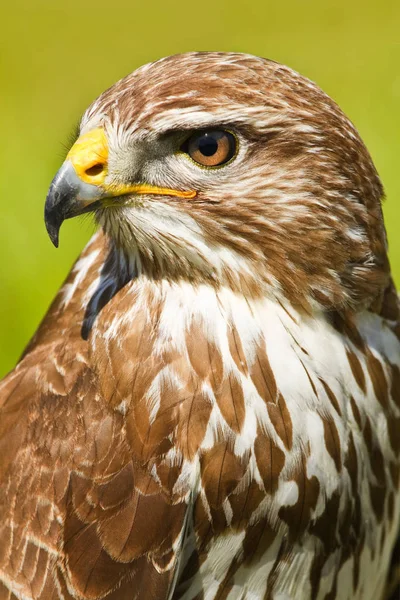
x: 211, y: 407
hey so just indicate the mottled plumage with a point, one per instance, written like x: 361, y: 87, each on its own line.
x: 211, y: 407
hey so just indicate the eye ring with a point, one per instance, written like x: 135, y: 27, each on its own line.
x: 211, y: 148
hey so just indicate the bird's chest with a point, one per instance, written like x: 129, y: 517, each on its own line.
x: 282, y: 430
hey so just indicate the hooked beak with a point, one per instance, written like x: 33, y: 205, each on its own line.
x: 80, y: 186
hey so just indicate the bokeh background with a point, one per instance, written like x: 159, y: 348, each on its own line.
x: 57, y: 56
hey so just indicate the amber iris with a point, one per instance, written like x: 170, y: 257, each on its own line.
x: 210, y: 148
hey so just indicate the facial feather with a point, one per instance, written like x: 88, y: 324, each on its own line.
x: 302, y: 180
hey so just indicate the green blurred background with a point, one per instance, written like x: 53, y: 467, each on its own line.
x: 55, y: 57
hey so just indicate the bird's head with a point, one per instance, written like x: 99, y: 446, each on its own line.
x: 232, y: 170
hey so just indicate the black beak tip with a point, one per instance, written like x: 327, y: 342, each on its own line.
x: 63, y: 200
x: 53, y: 235
x: 53, y: 225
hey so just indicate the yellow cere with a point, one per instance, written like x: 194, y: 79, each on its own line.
x: 89, y: 156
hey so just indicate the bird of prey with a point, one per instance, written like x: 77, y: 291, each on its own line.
x: 211, y: 407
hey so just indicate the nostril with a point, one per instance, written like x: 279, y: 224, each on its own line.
x: 95, y: 169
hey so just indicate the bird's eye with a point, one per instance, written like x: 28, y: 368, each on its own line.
x: 210, y: 148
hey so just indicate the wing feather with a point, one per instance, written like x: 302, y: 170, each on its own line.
x: 83, y: 513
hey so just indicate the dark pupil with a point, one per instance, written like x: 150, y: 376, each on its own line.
x: 208, y: 145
